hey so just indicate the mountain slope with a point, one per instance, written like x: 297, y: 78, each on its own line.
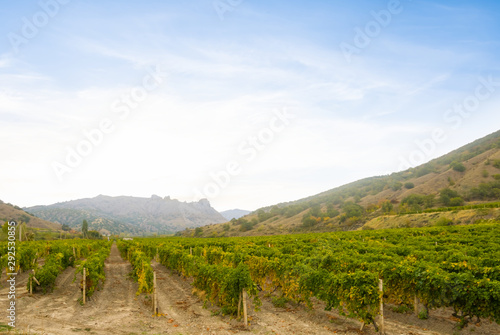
x: 11, y: 212
x: 468, y: 175
x: 131, y: 215
x: 234, y: 214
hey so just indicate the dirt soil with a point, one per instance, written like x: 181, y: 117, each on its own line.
x: 116, y: 309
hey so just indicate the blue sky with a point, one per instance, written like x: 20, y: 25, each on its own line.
x: 227, y: 68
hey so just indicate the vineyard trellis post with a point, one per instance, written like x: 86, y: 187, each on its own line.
x: 381, y: 289
x: 245, y: 315
x: 84, y: 284
x: 155, y: 295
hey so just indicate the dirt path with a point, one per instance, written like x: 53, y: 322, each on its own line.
x: 116, y: 309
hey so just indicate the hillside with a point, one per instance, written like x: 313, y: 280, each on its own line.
x: 467, y: 176
x: 12, y: 212
x: 131, y: 215
x: 234, y: 214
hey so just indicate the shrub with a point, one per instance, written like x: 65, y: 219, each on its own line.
x: 409, y: 185
x: 446, y: 195
x: 457, y: 166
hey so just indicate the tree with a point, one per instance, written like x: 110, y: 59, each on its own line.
x: 94, y: 235
x: 198, y: 231
x: 85, y: 228
x: 65, y: 227
x: 331, y: 211
x: 352, y: 210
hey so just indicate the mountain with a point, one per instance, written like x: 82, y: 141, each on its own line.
x: 458, y: 187
x: 131, y: 215
x: 11, y: 212
x: 234, y: 214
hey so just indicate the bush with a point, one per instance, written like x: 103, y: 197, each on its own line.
x: 485, y: 174
x: 496, y: 163
x: 458, y: 201
x: 409, y: 185
x: 446, y: 195
x: 457, y: 166
x: 396, y: 186
x: 419, y: 199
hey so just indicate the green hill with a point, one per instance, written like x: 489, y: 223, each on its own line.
x: 467, y: 176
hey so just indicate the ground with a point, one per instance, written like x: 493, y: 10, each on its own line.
x: 116, y: 309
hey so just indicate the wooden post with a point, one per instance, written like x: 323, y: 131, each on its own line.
x: 31, y: 285
x: 245, y: 316
x: 157, y: 256
x: 84, y: 285
x: 155, y: 302
x: 74, y: 254
x: 20, y: 232
x: 416, y: 303
x: 190, y: 250
x: 381, y: 289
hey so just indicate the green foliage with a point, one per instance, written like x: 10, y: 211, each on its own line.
x: 331, y: 211
x: 449, y: 197
x: 485, y: 174
x: 198, y: 231
x: 486, y: 191
x: 409, y: 185
x: 445, y: 267
x: 94, y: 235
x: 496, y: 176
x: 142, y: 271
x: 387, y: 207
x: 396, y: 186
x: 85, y: 228
x: 423, y: 314
x: 458, y: 166
x: 351, y: 211
x: 94, y: 268
x: 248, y: 225
x: 263, y: 216
x: 496, y: 163
x: 280, y: 302
x: 418, y: 201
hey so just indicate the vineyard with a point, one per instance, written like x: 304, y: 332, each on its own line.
x: 457, y: 267
x: 357, y: 275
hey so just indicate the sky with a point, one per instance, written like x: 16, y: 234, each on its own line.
x: 246, y: 103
